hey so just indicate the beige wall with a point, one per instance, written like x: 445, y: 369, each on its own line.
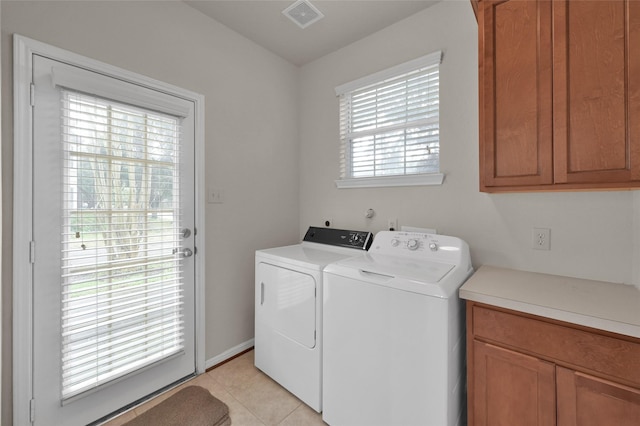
x: 592, y: 233
x: 251, y: 134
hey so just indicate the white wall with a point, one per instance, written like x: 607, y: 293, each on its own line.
x: 251, y: 135
x: 1, y: 363
x: 592, y: 233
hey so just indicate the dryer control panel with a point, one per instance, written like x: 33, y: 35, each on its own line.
x: 339, y: 237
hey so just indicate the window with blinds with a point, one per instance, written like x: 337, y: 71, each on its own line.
x: 121, y: 279
x: 389, y: 123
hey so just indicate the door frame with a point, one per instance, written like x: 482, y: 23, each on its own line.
x: 23, y: 50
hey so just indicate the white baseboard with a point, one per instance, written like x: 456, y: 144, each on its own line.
x: 229, y: 353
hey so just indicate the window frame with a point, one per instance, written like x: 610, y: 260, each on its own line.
x: 346, y: 180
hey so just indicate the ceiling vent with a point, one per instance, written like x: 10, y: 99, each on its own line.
x: 303, y: 13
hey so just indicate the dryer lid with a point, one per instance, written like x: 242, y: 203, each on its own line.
x: 305, y: 255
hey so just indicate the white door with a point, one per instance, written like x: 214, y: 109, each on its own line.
x: 113, y: 276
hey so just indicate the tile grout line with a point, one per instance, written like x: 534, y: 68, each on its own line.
x: 226, y: 389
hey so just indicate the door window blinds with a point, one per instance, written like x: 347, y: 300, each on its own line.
x: 121, y: 278
x: 389, y: 121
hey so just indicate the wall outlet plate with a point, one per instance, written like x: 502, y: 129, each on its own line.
x: 541, y: 239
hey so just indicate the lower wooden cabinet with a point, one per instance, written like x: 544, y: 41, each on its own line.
x: 531, y: 371
x: 584, y: 400
x: 512, y: 388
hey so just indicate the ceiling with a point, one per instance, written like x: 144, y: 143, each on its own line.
x: 344, y: 22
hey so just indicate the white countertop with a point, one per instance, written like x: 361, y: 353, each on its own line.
x: 597, y: 304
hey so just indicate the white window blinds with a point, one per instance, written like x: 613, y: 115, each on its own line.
x: 121, y: 279
x: 389, y: 122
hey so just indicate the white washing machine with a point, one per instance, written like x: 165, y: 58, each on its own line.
x: 288, y: 313
x: 393, y: 333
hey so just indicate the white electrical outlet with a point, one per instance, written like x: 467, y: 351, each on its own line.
x: 393, y: 225
x: 541, y: 239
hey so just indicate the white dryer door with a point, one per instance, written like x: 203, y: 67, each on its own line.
x: 287, y: 303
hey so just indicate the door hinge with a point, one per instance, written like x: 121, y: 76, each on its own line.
x: 32, y: 95
x: 32, y: 410
x: 32, y: 251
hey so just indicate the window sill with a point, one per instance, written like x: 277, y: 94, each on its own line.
x: 377, y: 182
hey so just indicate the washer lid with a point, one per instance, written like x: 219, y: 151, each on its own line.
x: 400, y: 267
x: 418, y: 276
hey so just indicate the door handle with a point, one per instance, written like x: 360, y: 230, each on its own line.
x: 261, y: 293
x: 187, y: 252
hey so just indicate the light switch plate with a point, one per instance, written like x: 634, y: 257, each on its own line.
x: 215, y: 196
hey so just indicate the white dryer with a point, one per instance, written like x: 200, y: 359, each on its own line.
x: 393, y: 331
x: 288, y: 307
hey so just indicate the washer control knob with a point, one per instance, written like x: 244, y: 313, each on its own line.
x: 433, y: 247
x: 395, y: 242
x: 413, y: 244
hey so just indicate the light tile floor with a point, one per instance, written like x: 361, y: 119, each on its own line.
x: 253, y: 398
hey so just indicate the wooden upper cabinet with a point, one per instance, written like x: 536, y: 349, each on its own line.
x: 515, y: 93
x: 559, y: 94
x: 596, y: 64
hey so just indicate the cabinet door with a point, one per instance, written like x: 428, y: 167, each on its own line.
x: 515, y: 93
x: 588, y: 401
x: 510, y: 388
x: 596, y: 91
